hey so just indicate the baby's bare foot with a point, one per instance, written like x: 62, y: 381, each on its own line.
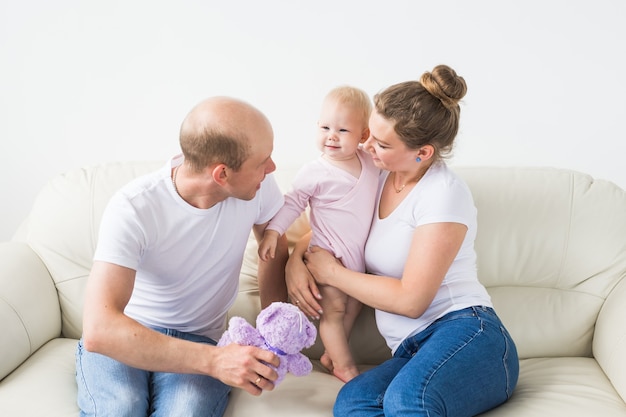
x: 345, y: 374
x: 327, y: 362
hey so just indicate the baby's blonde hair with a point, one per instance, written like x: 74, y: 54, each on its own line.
x: 354, y: 98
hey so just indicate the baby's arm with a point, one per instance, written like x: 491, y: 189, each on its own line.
x: 267, y: 247
x: 296, y: 202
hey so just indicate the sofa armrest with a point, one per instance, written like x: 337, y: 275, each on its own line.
x: 609, y: 342
x: 29, y: 306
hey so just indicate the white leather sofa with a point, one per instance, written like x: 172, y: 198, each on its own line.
x: 551, y: 250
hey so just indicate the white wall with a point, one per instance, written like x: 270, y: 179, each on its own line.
x: 83, y: 82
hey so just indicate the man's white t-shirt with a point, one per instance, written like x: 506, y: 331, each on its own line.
x: 440, y: 196
x: 187, y: 259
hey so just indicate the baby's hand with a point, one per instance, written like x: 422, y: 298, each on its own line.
x: 267, y: 247
x: 265, y: 250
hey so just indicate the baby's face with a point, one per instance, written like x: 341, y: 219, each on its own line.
x: 340, y: 130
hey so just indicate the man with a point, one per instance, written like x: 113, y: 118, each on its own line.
x: 166, y: 270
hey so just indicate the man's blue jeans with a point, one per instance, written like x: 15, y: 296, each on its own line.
x: 463, y: 364
x: 107, y: 387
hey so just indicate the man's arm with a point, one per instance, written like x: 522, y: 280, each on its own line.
x: 107, y: 330
x: 271, y: 273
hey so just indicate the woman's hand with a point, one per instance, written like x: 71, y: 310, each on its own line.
x: 301, y: 286
x: 322, y: 265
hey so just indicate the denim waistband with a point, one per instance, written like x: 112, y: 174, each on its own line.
x: 473, y: 311
x: 411, y: 343
x: 183, y: 335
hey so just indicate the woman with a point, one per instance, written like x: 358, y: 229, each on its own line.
x: 452, y: 355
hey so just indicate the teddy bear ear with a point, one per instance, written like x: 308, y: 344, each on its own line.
x: 268, y: 312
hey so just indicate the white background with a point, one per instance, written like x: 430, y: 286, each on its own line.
x: 85, y: 82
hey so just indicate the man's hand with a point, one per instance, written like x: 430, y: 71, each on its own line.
x: 243, y: 367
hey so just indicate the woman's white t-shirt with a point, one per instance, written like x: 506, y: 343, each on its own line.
x: 440, y: 196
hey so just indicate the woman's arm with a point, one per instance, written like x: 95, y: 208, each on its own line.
x: 301, y: 286
x: 433, y: 249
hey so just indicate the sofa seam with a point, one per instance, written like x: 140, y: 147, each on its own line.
x: 22, y: 322
x: 566, y: 245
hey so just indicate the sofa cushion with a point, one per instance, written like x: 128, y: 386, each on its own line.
x: 561, y: 387
x: 547, y: 387
x: 310, y: 396
x: 45, y: 385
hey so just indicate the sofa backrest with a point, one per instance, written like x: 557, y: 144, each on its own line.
x: 62, y: 228
x: 551, y: 246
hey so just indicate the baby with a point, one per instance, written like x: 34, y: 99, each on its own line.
x: 340, y: 188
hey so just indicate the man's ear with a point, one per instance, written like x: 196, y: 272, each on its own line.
x: 220, y: 174
x: 365, y: 135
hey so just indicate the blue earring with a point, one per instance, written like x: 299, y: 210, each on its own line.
x: 418, y: 159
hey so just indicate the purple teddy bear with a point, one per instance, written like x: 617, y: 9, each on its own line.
x: 281, y: 328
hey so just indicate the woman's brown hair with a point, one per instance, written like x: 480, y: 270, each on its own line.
x: 425, y: 112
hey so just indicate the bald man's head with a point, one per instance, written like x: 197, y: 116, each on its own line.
x: 221, y: 130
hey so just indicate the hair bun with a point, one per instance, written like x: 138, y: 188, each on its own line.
x: 444, y: 83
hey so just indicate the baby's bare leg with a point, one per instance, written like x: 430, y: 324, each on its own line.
x: 353, y: 308
x: 335, y: 326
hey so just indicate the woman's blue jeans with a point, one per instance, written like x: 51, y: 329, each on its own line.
x: 107, y: 387
x: 463, y: 364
